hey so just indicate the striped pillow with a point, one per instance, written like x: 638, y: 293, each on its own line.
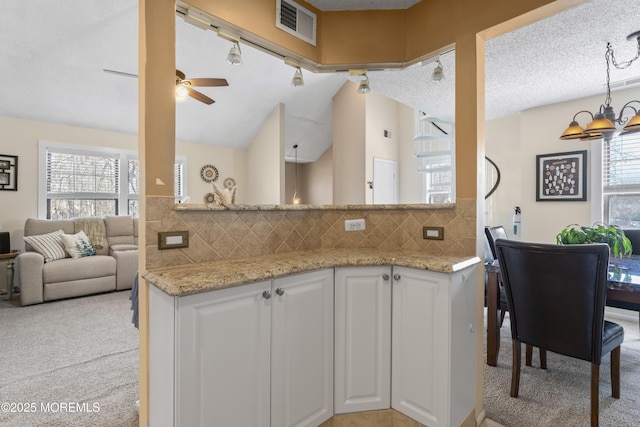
x: 48, y: 245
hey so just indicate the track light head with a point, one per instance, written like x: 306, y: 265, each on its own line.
x: 235, y: 55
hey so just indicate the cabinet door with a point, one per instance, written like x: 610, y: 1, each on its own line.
x: 223, y: 358
x: 362, y: 339
x: 302, y: 349
x: 420, y: 366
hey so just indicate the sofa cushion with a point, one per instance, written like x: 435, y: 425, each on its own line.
x: 48, y: 245
x: 77, y: 245
x: 119, y: 230
x: 70, y: 269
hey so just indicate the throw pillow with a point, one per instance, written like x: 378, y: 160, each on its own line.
x: 48, y: 245
x: 77, y: 245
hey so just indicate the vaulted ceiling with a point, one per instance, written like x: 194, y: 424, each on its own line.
x: 53, y: 54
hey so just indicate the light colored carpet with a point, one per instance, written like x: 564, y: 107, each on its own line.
x: 559, y: 396
x: 70, y: 363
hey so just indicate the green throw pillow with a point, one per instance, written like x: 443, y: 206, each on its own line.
x: 77, y: 245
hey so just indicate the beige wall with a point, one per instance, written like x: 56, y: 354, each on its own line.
x: 317, y: 180
x: 381, y: 113
x: 349, y: 140
x: 265, y: 162
x: 513, y: 143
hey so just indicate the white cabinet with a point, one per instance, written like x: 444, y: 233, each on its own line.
x: 302, y: 350
x: 255, y: 355
x: 362, y: 339
x: 433, y: 345
x: 223, y: 358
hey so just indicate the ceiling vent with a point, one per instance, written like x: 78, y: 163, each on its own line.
x: 296, y: 20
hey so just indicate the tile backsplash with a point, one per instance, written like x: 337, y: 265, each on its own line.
x: 220, y: 234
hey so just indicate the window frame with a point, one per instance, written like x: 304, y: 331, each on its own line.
x: 123, y: 196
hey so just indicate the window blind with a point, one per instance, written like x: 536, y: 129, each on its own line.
x: 621, y: 180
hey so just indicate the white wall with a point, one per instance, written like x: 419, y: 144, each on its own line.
x: 409, y: 179
x: 513, y: 143
x: 265, y: 162
x: 317, y: 180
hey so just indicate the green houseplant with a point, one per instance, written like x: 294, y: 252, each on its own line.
x: 598, y: 233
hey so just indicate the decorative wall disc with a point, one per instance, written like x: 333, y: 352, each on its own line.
x: 209, y: 198
x: 229, y: 183
x: 209, y: 173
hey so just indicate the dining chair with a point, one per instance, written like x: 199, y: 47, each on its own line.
x: 491, y: 235
x: 634, y: 236
x: 556, y: 296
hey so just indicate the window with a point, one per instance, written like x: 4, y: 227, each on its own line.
x: 91, y: 181
x: 621, y: 180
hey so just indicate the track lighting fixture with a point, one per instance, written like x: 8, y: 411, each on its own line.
x: 235, y: 55
x: 438, y: 72
x: 603, y: 123
x: 364, y: 85
x: 297, y: 79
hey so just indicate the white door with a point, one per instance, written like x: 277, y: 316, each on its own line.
x: 384, y: 182
x: 362, y: 339
x: 302, y: 349
x: 223, y: 358
x: 420, y: 337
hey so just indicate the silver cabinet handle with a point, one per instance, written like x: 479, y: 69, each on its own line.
x: 385, y: 277
x: 266, y: 294
x: 396, y: 276
x: 280, y: 291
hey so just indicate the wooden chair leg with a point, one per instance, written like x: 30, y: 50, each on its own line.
x: 528, y: 354
x: 515, y: 368
x: 595, y: 381
x: 543, y: 358
x: 615, y: 372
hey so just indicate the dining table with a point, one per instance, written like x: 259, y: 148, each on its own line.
x: 623, y: 291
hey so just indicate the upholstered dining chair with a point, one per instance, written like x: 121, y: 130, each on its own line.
x: 634, y: 236
x: 556, y: 296
x: 491, y: 235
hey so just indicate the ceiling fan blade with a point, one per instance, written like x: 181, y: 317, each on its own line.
x: 199, y: 96
x: 120, y: 73
x: 208, y: 82
x: 180, y: 75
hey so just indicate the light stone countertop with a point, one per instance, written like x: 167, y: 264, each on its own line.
x: 197, y: 278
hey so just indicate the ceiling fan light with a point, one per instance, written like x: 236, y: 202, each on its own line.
x: 364, y: 86
x: 600, y: 124
x: 633, y: 125
x: 574, y: 131
x: 297, y: 79
x: 181, y: 93
x: 235, y: 56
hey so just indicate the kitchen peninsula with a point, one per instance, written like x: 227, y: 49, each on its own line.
x: 296, y: 338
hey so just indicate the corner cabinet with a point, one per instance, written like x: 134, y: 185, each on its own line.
x: 262, y: 354
x: 405, y: 339
x: 433, y: 345
x: 363, y: 339
x: 256, y: 355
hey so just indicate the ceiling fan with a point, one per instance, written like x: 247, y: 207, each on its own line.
x: 184, y: 86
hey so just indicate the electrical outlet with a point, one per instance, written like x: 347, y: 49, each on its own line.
x: 354, y: 225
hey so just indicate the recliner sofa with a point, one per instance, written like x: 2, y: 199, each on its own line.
x: 113, y: 267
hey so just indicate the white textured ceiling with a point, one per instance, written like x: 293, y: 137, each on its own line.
x: 52, y: 55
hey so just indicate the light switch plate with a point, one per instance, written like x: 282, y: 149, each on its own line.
x: 173, y: 239
x: 433, y: 233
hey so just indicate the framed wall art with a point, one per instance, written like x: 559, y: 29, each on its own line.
x: 8, y: 172
x: 561, y: 177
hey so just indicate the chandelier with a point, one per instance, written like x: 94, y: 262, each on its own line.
x: 602, y: 124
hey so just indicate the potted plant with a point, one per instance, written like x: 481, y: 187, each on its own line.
x: 598, y: 233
